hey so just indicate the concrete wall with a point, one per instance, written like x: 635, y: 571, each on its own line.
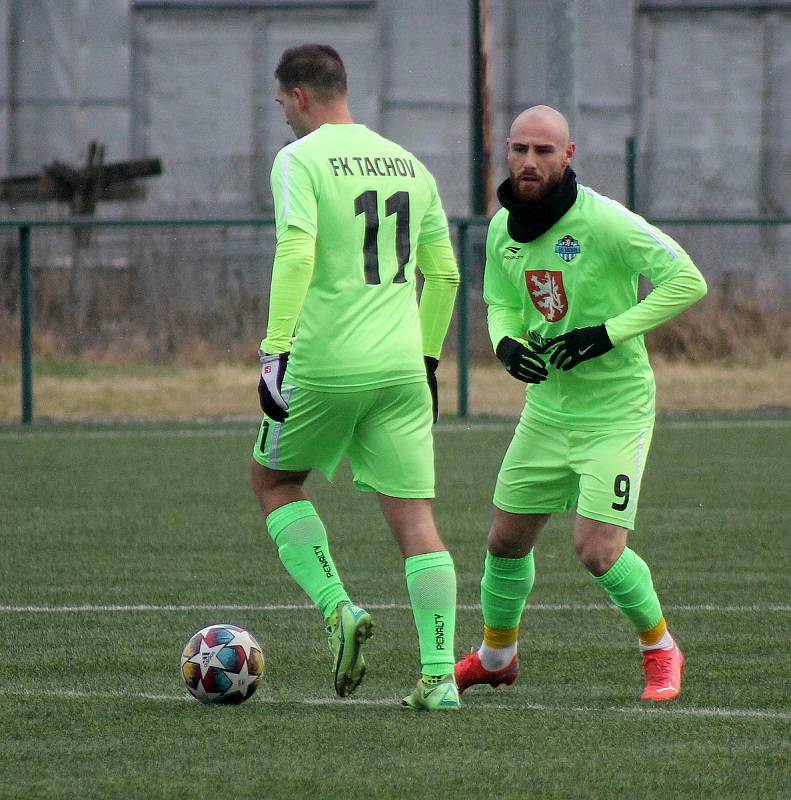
x: 204, y: 97
x: 68, y: 67
x: 193, y: 85
x: 706, y: 92
x: 5, y: 84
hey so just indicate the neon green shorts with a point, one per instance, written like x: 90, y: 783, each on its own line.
x: 548, y: 469
x: 385, y: 433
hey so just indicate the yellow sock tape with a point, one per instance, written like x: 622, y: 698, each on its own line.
x: 500, y: 637
x: 655, y: 634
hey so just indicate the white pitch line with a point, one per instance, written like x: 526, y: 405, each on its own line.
x: 207, y: 432
x: 447, y: 427
x: 747, y: 713
x: 131, y: 433
x: 143, y: 607
x: 778, y: 422
x: 661, y: 422
x: 82, y: 694
x: 675, y: 710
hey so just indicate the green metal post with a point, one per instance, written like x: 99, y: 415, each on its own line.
x: 631, y: 177
x: 25, y: 326
x: 478, y: 134
x: 463, y: 345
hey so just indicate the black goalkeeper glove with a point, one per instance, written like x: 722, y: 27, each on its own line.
x: 578, y: 345
x: 273, y: 368
x: 431, y: 377
x: 521, y: 361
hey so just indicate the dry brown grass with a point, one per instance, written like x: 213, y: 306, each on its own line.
x: 681, y: 387
x: 731, y: 352
x: 731, y: 323
x: 230, y: 391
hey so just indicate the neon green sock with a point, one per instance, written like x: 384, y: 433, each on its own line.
x: 431, y: 582
x: 505, y: 586
x: 628, y: 584
x: 303, y: 549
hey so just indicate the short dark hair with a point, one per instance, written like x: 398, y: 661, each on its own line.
x: 315, y: 66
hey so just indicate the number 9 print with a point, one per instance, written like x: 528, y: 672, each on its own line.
x: 621, y: 489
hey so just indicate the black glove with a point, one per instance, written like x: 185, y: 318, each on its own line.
x: 521, y: 361
x: 273, y: 368
x: 578, y: 345
x: 431, y: 377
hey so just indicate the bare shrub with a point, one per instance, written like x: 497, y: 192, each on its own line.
x: 199, y: 297
x: 731, y: 322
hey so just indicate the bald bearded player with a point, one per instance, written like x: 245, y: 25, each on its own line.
x: 561, y: 279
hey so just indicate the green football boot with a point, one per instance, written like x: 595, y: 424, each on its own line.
x: 440, y: 694
x: 346, y: 635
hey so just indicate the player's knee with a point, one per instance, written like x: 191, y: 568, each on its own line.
x: 513, y: 535
x: 275, y: 488
x: 257, y: 475
x: 505, y: 546
x: 262, y: 479
x: 597, y: 555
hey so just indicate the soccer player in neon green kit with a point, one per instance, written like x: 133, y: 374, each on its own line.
x: 349, y: 360
x: 561, y: 279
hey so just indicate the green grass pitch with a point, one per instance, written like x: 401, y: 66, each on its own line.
x: 117, y: 543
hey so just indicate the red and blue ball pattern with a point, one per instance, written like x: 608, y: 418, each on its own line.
x: 222, y: 664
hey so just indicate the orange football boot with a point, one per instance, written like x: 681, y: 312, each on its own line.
x: 663, y: 672
x: 470, y: 671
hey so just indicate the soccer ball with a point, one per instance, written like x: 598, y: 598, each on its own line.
x: 222, y: 664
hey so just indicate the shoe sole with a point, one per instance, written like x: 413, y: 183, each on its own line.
x: 422, y: 708
x: 508, y: 680
x: 346, y: 681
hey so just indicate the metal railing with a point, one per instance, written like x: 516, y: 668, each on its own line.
x: 25, y: 231
x: 463, y: 227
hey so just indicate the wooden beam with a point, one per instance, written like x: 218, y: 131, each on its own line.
x: 62, y: 182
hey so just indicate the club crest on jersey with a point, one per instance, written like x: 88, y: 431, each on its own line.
x: 567, y: 248
x: 546, y: 290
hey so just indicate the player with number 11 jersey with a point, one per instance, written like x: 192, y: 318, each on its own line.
x: 370, y: 204
x: 349, y: 360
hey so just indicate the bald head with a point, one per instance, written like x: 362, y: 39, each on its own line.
x: 539, y: 150
x: 544, y: 121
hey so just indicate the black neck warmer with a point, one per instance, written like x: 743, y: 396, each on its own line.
x: 528, y: 219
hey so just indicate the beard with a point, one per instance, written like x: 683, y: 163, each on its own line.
x: 537, y: 190
x: 530, y: 218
